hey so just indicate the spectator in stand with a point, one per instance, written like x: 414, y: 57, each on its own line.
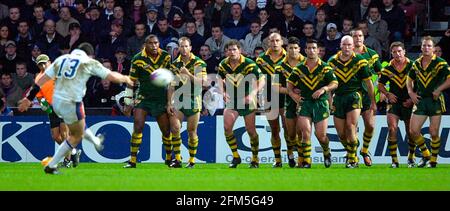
x: 378, y: 28
x: 358, y: 10
x: 347, y: 26
x: 265, y: 22
x: 165, y: 33
x: 276, y: 11
x: 320, y: 26
x: 4, y: 35
x: 81, y: 10
x: 177, y: 23
x: 411, y: 11
x: 93, y: 27
x: 4, y: 109
x: 332, y: 42
x: 445, y: 45
x: 370, y: 41
x: 196, y: 40
x: 137, y: 12
x: 168, y: 10
x: 203, y: 26
x: 13, y: 93
x: 32, y: 65
x: 292, y: 25
x: 121, y: 64
x: 3, y: 11
x: 104, y: 95
x: 333, y: 10
x: 257, y: 52
x: 24, y: 39
x: 135, y: 43
x: 51, y: 41
x: 110, y: 41
x: 305, y: 11
x: 322, y: 50
x: 10, y: 58
x: 211, y: 62
x: 75, y: 37
x: 12, y: 21
x: 252, y: 40
x: 236, y: 27
x: 251, y: 11
x: 151, y: 20
x: 127, y: 24
x: 22, y: 77
x: 62, y: 26
x: 395, y: 18
x: 52, y: 12
x: 218, y: 12
x: 217, y: 42
x: 189, y: 7
x: 38, y: 21
x: 308, y: 31
x: 108, y: 11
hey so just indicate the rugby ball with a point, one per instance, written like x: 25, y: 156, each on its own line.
x: 161, y: 77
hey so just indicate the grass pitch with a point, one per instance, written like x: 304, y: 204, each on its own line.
x: 206, y: 177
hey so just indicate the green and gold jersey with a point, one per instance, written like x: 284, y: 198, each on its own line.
x: 309, y: 81
x: 239, y: 76
x: 396, y: 79
x: 196, y: 67
x: 142, y: 66
x: 267, y: 67
x: 429, y: 78
x: 373, y: 60
x: 284, y: 70
x: 350, y: 74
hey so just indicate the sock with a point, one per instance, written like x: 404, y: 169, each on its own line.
x: 168, y: 146
x: 176, y: 143
x: 306, y: 145
x: 299, y: 151
x: 89, y: 136
x: 366, y: 141
x: 392, y: 144
x: 290, y: 146
x: 420, y: 142
x: 435, y: 145
x: 326, y: 148
x: 351, y: 148
x: 63, y: 150
x: 411, y: 149
x: 276, y: 147
x: 136, y: 140
x: 254, y: 142
x: 231, y: 140
x: 192, y: 145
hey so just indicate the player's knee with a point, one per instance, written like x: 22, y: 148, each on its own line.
x: 393, y: 131
x: 413, y: 133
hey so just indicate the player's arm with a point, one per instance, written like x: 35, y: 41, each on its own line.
x: 118, y: 78
x: 437, y: 92
x: 170, y: 109
x: 371, y: 92
x: 25, y: 103
x: 410, y: 86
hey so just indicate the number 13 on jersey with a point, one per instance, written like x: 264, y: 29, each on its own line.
x: 69, y: 71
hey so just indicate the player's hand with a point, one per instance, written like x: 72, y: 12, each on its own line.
x: 391, y: 97
x: 226, y: 97
x: 297, y: 98
x: 436, y: 94
x: 408, y: 103
x: 249, y: 98
x: 127, y: 110
x: 128, y: 81
x: 170, y: 110
x: 297, y: 91
x: 318, y: 93
x: 414, y: 97
x: 24, y: 104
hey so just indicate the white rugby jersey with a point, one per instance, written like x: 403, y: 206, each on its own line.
x: 72, y: 72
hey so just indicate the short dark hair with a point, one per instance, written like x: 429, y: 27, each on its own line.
x: 87, y: 48
x: 310, y: 41
x: 293, y: 40
x: 233, y: 42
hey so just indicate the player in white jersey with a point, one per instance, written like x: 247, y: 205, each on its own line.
x: 72, y: 72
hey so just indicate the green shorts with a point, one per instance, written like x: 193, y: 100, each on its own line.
x: 346, y: 103
x: 290, y: 108
x: 242, y: 109
x: 399, y: 110
x: 193, y: 106
x: 318, y: 110
x: 154, y: 107
x: 365, y: 102
x: 429, y: 107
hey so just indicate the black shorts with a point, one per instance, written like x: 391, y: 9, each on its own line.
x: 55, y: 121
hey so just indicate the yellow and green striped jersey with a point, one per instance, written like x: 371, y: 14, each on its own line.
x: 396, y: 79
x: 311, y: 80
x: 428, y: 78
x: 350, y: 74
x: 284, y: 70
x: 196, y: 67
x: 142, y: 66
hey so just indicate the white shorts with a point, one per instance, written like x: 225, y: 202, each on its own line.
x: 70, y: 112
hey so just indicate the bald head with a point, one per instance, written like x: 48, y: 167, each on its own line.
x: 275, y: 42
